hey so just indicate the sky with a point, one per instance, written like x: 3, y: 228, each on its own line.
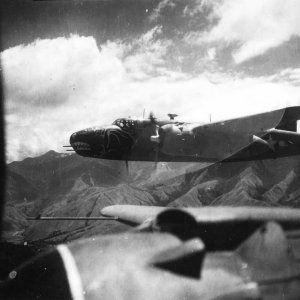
x: 67, y: 65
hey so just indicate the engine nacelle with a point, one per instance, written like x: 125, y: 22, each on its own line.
x: 170, y: 138
x: 177, y: 222
x: 170, y: 129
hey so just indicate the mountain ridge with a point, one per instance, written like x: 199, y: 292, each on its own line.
x: 56, y: 184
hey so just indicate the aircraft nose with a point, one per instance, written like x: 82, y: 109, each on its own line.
x: 109, y: 141
x: 80, y: 136
x: 87, y: 142
x: 80, y: 141
x: 74, y: 138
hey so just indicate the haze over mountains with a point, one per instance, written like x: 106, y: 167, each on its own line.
x: 56, y: 184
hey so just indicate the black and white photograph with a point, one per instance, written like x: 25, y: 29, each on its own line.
x: 150, y: 149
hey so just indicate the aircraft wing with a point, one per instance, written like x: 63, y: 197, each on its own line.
x: 266, y: 135
x: 220, y: 228
x: 207, y: 215
x: 274, y: 143
x: 132, y: 213
x: 196, y: 255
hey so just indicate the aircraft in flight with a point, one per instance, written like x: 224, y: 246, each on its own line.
x: 212, y: 253
x: 267, y: 135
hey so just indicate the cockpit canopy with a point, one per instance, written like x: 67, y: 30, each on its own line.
x: 126, y: 124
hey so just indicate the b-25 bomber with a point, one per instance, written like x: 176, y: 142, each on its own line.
x: 267, y: 135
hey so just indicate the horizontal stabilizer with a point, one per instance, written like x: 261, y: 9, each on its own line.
x: 289, y: 119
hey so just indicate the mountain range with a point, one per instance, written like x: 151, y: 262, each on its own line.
x: 56, y: 184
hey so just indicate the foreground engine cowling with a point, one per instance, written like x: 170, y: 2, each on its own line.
x: 178, y: 222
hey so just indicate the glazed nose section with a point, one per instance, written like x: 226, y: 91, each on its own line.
x: 80, y: 136
x: 73, y: 138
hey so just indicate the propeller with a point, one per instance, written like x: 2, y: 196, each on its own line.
x: 152, y: 118
x: 156, y: 156
x: 156, y: 137
x: 160, y: 130
x: 127, y: 167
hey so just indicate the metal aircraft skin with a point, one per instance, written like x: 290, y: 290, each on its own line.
x: 210, y: 253
x: 267, y: 135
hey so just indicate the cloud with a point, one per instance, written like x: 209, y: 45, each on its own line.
x: 289, y: 75
x: 42, y: 83
x: 181, y: 16
x: 162, y: 5
x: 42, y: 73
x: 55, y: 87
x: 146, y: 56
x: 253, y: 26
x: 211, y: 53
x: 185, y: 8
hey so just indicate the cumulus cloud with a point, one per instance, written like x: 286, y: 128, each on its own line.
x: 55, y: 87
x: 43, y: 81
x: 42, y: 73
x: 253, y: 26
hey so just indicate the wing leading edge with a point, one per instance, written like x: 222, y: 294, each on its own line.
x: 221, y: 214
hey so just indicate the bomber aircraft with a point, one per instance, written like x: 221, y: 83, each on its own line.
x: 267, y: 135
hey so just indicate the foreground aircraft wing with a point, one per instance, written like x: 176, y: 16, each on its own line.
x: 219, y: 227
x: 132, y: 213
x: 265, y: 135
x: 182, y: 258
x: 139, y: 214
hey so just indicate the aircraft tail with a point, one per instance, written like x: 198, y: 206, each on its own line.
x: 289, y: 119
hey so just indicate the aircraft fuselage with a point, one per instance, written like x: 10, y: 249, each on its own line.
x: 267, y: 135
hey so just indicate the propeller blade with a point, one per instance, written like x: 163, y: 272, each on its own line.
x: 152, y: 118
x: 156, y: 157
x: 155, y: 138
x: 127, y: 166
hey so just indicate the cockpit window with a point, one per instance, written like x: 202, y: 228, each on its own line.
x: 126, y: 124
